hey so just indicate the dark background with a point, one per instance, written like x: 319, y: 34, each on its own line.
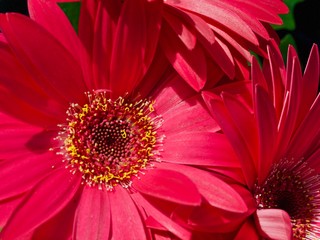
x: 307, y: 16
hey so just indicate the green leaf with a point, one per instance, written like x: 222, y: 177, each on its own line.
x: 288, y: 19
x: 285, y: 42
x: 72, y: 10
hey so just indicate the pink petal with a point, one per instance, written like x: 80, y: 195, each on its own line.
x: 17, y: 82
x: 243, y: 118
x: 273, y: 224
x: 267, y: 129
x: 199, y: 148
x: 218, y: 193
x: 257, y: 76
x: 7, y: 207
x: 194, y: 21
x: 57, y: 78
x: 59, y: 226
x: 153, y: 25
x: 171, y: 93
x: 92, y: 219
x: 181, y: 30
x: 219, y: 14
x: 210, y: 219
x: 29, y: 114
x: 104, y: 32
x: 276, y: 81
x: 308, y: 131
x: 87, y: 19
x: 310, y: 79
x: 247, y: 231
x: 126, y: 221
x: 38, y: 167
x: 221, y: 54
x: 190, y: 64
x: 154, y: 224
x: 235, y: 43
x: 168, y: 185
x: 127, y: 63
x: 180, y: 118
x: 229, y: 128
x: 164, y: 220
x: 291, y: 113
x: 45, y: 200
x: 18, y: 138
x: 49, y: 15
x: 158, y: 67
x: 253, y: 10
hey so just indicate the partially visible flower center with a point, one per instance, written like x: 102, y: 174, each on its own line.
x: 293, y: 187
x: 108, y: 141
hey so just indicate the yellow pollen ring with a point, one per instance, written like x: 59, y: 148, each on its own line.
x: 109, y: 141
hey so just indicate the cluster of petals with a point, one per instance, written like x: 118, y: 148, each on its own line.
x: 44, y: 67
x: 203, y: 40
x: 273, y: 125
x: 206, y: 39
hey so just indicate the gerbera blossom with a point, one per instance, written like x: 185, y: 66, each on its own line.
x: 276, y: 138
x: 101, y: 141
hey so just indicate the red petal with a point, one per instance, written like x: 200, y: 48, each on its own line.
x: 221, y: 54
x: 243, y: 118
x: 308, y: 131
x: 17, y: 83
x: 57, y: 78
x: 49, y: 15
x: 92, y: 219
x: 310, y: 80
x: 18, y: 138
x: 165, y: 221
x: 218, y: 193
x: 190, y: 64
x: 127, y: 61
x: 181, y: 30
x: 59, y: 226
x: 104, y: 31
x: 180, y: 118
x: 199, y: 148
x: 171, y: 93
x: 15, y: 178
x: 247, y: 231
x: 267, y: 128
x: 126, y: 220
x: 87, y: 19
x: 45, y: 200
x: 220, y: 14
x: 273, y: 224
x: 228, y: 126
x: 153, y: 25
x: 168, y: 185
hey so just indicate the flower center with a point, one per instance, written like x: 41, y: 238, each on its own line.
x: 293, y: 187
x: 108, y: 141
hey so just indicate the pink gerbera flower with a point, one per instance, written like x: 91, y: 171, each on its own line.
x: 103, y: 141
x: 276, y: 138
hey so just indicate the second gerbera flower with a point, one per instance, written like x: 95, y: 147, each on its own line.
x: 276, y: 138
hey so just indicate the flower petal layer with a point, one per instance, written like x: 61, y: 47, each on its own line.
x: 273, y: 224
x: 169, y: 185
x: 56, y: 191
x: 93, y: 217
x: 125, y: 213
